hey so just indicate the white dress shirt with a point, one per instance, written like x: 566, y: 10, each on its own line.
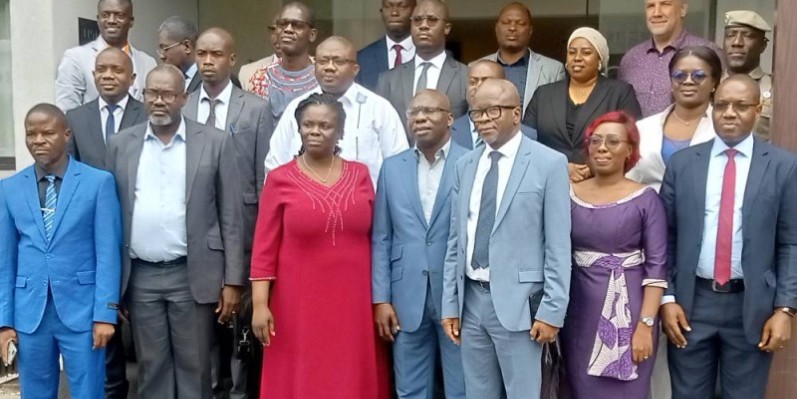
x: 189, y: 75
x: 118, y: 114
x: 509, y: 153
x: 372, y: 132
x: 429, y: 176
x: 223, y: 105
x: 158, y: 231
x: 407, y: 52
x: 433, y: 74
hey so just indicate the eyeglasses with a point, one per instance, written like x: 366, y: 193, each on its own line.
x: 611, y: 141
x: 492, y: 113
x: 339, y: 62
x: 723, y: 106
x: 151, y: 96
x: 282, y: 24
x: 697, y: 77
x: 416, y: 111
x: 431, y: 20
x: 162, y: 50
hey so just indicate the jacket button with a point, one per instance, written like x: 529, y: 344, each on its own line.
x: 425, y: 272
x: 428, y: 243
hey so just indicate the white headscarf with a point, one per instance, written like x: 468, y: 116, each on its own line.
x: 596, y: 39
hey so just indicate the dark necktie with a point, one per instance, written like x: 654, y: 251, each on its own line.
x: 397, y: 48
x: 110, y: 123
x: 722, y: 256
x: 484, y: 226
x: 211, y: 121
x: 50, y: 201
x: 422, y: 80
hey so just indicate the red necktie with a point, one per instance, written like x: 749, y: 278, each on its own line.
x: 722, y: 257
x: 397, y: 47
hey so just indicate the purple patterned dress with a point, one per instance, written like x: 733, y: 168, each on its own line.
x: 618, y: 249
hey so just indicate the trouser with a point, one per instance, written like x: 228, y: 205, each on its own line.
x: 116, y: 385
x: 223, y: 364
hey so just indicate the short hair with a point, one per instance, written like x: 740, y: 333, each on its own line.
x: 322, y: 99
x: 49, y: 110
x: 180, y: 28
x: 304, y: 7
x: 706, y: 55
x: 630, y: 128
x: 128, y: 3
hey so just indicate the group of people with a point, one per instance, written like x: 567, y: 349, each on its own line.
x: 395, y: 223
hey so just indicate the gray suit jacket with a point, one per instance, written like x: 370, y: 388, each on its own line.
x: 769, y: 228
x: 213, y: 206
x: 542, y: 70
x: 87, y: 144
x: 530, y: 242
x: 249, y: 124
x: 397, y: 86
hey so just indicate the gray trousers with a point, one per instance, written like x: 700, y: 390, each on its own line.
x: 496, y: 363
x: 172, y: 334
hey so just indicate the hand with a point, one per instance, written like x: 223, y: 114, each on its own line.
x: 543, y: 333
x: 673, y: 320
x: 452, y: 329
x: 387, y: 324
x: 102, y: 334
x: 642, y: 343
x: 776, y: 333
x: 263, y: 324
x: 7, y: 335
x: 578, y: 172
x: 229, y: 302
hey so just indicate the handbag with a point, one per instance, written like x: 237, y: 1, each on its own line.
x: 554, y: 381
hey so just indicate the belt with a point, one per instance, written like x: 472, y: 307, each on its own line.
x: 179, y: 261
x: 732, y: 286
x: 483, y: 284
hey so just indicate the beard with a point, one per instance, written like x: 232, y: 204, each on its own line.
x: 43, y: 160
x: 161, y: 120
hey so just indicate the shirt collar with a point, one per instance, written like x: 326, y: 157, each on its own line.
x: 190, y: 72
x: 437, y: 61
x: 510, y: 148
x: 149, y: 135
x: 757, y: 73
x: 406, y: 44
x: 523, y: 61
x: 59, y: 173
x: 122, y: 104
x: 350, y: 97
x: 224, y: 96
x: 745, y: 147
x: 442, y: 152
x: 127, y: 48
x: 676, y: 44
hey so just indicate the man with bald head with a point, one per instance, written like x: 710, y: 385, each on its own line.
x: 464, y: 130
x: 373, y: 129
x: 526, y: 69
x: 408, y: 252
x: 506, y: 279
x: 731, y: 299
x: 432, y: 67
x: 183, y: 256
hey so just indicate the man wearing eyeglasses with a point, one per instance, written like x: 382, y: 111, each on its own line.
x: 372, y: 130
x: 183, y: 255
x: 74, y: 83
x: 391, y: 50
x: 732, y: 292
x: 506, y: 280
x: 432, y: 67
x: 176, y: 45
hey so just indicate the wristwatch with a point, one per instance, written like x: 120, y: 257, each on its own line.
x: 789, y: 311
x: 648, y: 321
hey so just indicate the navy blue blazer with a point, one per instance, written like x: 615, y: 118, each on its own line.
x: 461, y: 133
x: 373, y: 61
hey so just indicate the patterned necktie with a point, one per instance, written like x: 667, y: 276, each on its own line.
x: 484, y: 226
x: 110, y: 123
x: 422, y: 80
x: 211, y: 121
x: 397, y: 48
x: 722, y: 256
x: 50, y: 201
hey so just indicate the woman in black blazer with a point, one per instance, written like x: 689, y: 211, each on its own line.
x: 562, y: 111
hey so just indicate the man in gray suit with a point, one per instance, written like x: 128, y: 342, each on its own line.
x: 178, y: 184
x: 247, y: 120
x: 507, y: 270
x: 432, y: 67
x: 526, y: 69
x: 732, y: 214
x: 74, y: 83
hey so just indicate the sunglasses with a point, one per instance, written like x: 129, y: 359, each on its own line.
x: 680, y: 76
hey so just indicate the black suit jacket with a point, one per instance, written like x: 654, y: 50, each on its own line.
x: 547, y: 113
x: 87, y: 144
x: 373, y: 61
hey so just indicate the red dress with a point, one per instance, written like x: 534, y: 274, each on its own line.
x: 315, y: 243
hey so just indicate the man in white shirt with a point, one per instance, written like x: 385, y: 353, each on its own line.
x: 373, y: 129
x: 391, y: 50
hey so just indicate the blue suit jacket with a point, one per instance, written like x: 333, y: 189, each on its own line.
x: 81, y: 265
x: 530, y: 242
x: 405, y: 248
x: 769, y: 229
x: 461, y: 133
x: 373, y: 61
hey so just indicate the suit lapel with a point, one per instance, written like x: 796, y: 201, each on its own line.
x: 468, y: 177
x: 758, y: 167
x: 235, y: 108
x: 411, y: 184
x: 195, y: 144
x: 515, y: 177
x: 589, y: 108
x: 446, y: 181
x: 446, y: 74
x: 94, y: 127
x: 381, y: 56
x: 191, y: 109
x: 133, y: 159
x: 68, y: 186
x: 408, y: 82
x: 558, y: 108
x: 532, y: 79
x: 132, y: 111
x: 32, y: 198
x: 700, y: 176
x: 194, y: 84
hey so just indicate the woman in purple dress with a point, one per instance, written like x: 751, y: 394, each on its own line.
x: 619, y: 241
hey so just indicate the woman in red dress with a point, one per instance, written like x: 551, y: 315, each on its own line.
x: 311, y: 270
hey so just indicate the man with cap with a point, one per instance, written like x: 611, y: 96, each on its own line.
x: 744, y: 42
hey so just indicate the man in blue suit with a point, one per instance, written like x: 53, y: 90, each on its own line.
x: 391, y: 50
x: 509, y: 249
x: 411, y: 224
x: 60, y: 252
x: 463, y: 132
x: 732, y: 214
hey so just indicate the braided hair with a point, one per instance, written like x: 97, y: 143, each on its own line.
x: 319, y: 99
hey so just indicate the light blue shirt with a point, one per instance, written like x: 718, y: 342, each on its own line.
x: 429, y: 176
x: 158, y: 232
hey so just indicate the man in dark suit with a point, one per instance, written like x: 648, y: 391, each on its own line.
x: 183, y: 256
x: 432, y: 67
x: 176, y: 46
x: 732, y: 214
x: 463, y: 132
x: 247, y: 119
x: 391, y: 50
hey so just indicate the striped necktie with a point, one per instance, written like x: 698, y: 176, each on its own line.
x: 50, y: 201
x: 110, y: 123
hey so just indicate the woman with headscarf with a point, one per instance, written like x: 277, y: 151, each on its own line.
x: 561, y: 111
